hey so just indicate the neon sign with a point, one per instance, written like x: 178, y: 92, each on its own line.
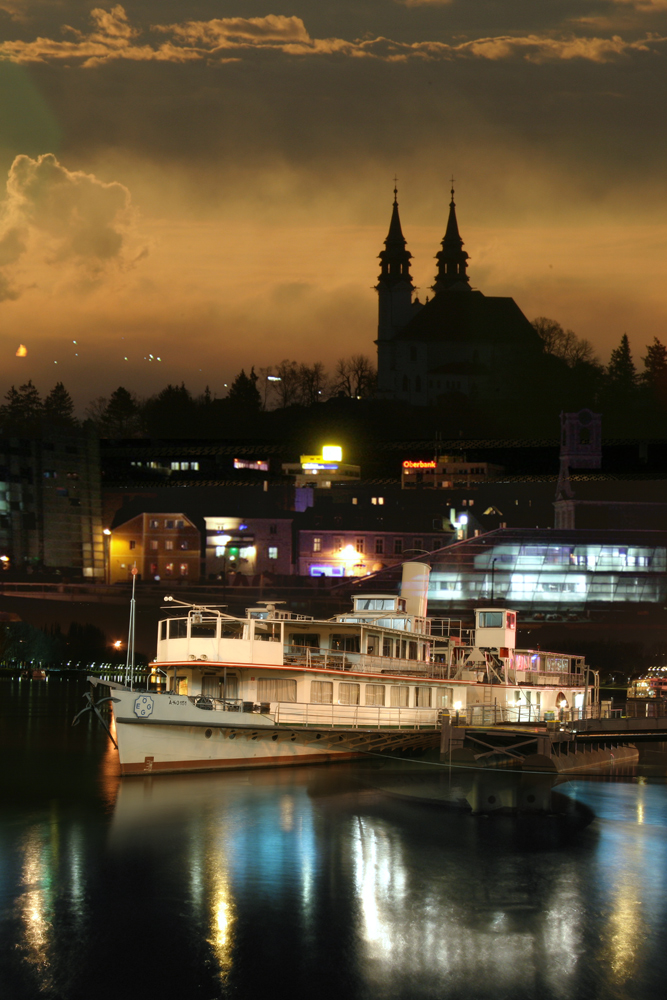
x: 419, y: 465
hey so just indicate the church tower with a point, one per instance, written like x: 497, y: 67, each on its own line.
x: 452, y: 259
x: 394, y: 290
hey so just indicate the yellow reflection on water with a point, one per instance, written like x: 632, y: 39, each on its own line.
x: 35, y: 903
x: 624, y: 931
x: 287, y: 813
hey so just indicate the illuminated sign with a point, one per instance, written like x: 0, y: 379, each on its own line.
x: 319, y: 467
x: 332, y: 453
x: 419, y: 465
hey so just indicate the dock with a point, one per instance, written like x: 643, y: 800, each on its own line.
x: 549, y: 746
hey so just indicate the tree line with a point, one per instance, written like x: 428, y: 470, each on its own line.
x: 566, y: 376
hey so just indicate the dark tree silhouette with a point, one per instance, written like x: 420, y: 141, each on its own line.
x: 621, y: 371
x: 23, y: 409
x: 244, y: 394
x: 58, y: 407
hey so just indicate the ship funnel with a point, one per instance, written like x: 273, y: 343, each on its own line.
x: 414, y: 587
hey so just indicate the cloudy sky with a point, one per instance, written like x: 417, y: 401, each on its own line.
x: 209, y: 183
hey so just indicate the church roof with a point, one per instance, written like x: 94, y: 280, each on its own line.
x: 453, y: 316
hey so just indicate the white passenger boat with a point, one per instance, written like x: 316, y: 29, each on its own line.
x: 275, y: 688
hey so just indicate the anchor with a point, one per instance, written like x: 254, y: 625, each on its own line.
x: 93, y: 706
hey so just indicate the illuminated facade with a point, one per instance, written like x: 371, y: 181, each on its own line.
x: 249, y: 546
x: 551, y: 572
x: 359, y: 552
x: 323, y: 470
x: 447, y: 472
x: 162, y: 546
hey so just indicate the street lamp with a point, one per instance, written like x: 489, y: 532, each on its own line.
x: 107, y: 560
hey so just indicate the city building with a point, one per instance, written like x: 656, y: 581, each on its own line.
x: 324, y: 470
x: 446, y: 471
x: 50, y: 503
x: 161, y: 546
x: 458, y: 342
x: 249, y: 546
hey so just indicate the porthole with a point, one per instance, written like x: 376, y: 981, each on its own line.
x: 232, y: 736
x: 319, y: 736
x: 491, y: 799
x: 208, y: 734
x: 254, y: 736
x: 274, y: 737
x: 293, y: 737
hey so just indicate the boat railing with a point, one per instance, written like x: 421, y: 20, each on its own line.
x: 546, y: 678
x: 353, y: 716
x: 494, y: 715
x: 333, y: 659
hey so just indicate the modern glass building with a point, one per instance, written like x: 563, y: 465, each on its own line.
x: 555, y: 571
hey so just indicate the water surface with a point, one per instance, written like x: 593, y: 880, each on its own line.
x: 310, y: 882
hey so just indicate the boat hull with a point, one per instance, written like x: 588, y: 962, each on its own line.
x: 146, y: 748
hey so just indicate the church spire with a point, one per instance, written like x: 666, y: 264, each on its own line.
x: 395, y: 258
x: 452, y: 259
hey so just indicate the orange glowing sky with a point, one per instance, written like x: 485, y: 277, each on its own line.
x: 210, y: 183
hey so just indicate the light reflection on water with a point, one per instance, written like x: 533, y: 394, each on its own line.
x: 314, y: 878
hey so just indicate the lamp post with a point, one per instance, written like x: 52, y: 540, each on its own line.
x: 493, y: 578
x: 107, y: 555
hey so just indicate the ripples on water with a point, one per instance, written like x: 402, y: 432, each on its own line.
x: 312, y: 882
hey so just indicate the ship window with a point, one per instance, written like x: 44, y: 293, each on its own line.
x: 202, y: 630
x: 210, y: 687
x: 348, y: 694
x: 490, y: 619
x: 321, y: 692
x: 305, y: 639
x: 375, y: 694
x: 412, y: 652
x: 399, y: 695
x: 178, y: 628
x: 423, y: 697
x: 269, y: 689
x: 386, y: 646
x: 349, y: 643
x: 163, y: 630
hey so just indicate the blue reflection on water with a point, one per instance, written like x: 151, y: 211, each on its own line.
x: 313, y: 880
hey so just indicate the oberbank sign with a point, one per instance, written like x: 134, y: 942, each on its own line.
x: 409, y: 464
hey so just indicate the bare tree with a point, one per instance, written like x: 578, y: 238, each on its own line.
x: 354, y: 376
x: 312, y: 383
x: 563, y: 344
x: 286, y: 389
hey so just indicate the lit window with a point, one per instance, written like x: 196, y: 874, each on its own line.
x: 169, y: 569
x: 154, y: 523
x: 377, y: 500
x: 154, y: 544
x: 337, y: 544
x: 184, y: 545
x: 133, y: 544
x: 184, y: 569
x: 219, y: 550
x: 169, y: 545
x: 175, y: 466
x: 273, y: 551
x: 317, y: 544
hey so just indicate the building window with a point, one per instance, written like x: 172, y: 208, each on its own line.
x: 379, y: 546
x: 398, y: 546
x: 377, y: 500
x: 184, y: 569
x: 153, y: 569
x: 169, y: 524
x: 133, y: 544
x: 418, y: 543
x: 169, y: 569
x: 337, y: 544
x: 360, y: 545
x: 273, y: 551
x: 154, y: 544
x: 180, y: 524
x: 184, y: 545
x: 154, y: 523
x: 273, y: 529
x: 317, y: 544
x: 169, y: 544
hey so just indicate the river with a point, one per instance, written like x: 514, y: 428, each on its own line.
x: 311, y: 882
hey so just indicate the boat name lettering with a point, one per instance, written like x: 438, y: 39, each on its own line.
x: 178, y: 701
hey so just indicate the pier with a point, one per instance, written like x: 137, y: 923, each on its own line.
x: 550, y: 746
